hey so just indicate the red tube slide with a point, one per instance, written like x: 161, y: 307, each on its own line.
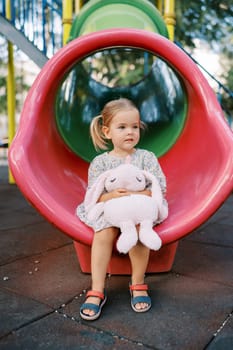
x: 199, y: 166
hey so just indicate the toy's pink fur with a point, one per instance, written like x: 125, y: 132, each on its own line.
x: 128, y: 211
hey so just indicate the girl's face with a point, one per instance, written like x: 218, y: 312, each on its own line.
x: 124, y: 131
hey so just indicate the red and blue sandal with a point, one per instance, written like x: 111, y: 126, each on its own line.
x: 139, y: 299
x: 90, y: 306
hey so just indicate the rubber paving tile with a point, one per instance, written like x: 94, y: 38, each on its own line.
x: 56, y: 332
x: 223, y: 338
x: 182, y: 316
x: 29, y: 240
x: 42, y: 288
x: 22, y: 311
x: 51, y: 278
x: 207, y: 262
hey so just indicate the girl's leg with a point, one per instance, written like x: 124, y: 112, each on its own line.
x: 101, y: 252
x: 139, y: 257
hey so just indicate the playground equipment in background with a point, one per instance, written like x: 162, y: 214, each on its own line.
x: 158, y: 94
x: 98, y: 15
x: 198, y: 165
x: 82, y: 96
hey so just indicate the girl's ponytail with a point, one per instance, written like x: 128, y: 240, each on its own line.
x: 98, y: 138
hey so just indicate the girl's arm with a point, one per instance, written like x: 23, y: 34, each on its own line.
x: 146, y: 192
x: 96, y: 168
x: 121, y: 192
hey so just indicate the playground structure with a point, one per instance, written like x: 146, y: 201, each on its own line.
x: 199, y: 169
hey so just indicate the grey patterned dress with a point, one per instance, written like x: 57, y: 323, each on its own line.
x: 141, y: 158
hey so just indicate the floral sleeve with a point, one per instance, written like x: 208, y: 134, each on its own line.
x: 96, y: 168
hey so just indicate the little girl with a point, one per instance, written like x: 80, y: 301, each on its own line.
x: 119, y: 126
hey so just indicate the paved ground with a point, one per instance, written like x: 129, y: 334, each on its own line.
x: 42, y: 288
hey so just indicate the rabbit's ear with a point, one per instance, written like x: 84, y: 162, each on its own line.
x: 93, y: 193
x: 157, y: 195
x: 156, y: 189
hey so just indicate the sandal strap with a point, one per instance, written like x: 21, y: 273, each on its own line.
x: 94, y: 293
x: 90, y: 306
x: 141, y: 299
x: 138, y: 287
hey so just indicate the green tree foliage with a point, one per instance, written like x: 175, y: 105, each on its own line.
x: 210, y: 21
x: 20, y: 85
x: 2, y: 94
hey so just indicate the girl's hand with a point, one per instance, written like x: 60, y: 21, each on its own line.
x: 145, y: 192
x: 119, y: 192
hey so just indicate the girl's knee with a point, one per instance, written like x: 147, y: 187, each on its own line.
x: 108, y: 234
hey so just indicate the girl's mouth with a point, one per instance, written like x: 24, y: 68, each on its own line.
x: 129, y: 140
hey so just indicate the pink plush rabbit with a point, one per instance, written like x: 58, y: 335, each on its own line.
x: 128, y: 211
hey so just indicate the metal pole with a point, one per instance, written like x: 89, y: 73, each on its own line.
x: 159, y: 4
x: 78, y: 5
x: 169, y: 17
x: 10, y: 90
x: 67, y: 12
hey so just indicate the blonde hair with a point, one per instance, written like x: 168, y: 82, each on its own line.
x: 111, y: 108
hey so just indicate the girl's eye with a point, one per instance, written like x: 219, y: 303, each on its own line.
x: 112, y: 180
x: 136, y: 127
x: 121, y: 127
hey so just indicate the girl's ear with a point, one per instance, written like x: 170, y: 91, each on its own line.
x: 106, y: 132
x: 94, y: 192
